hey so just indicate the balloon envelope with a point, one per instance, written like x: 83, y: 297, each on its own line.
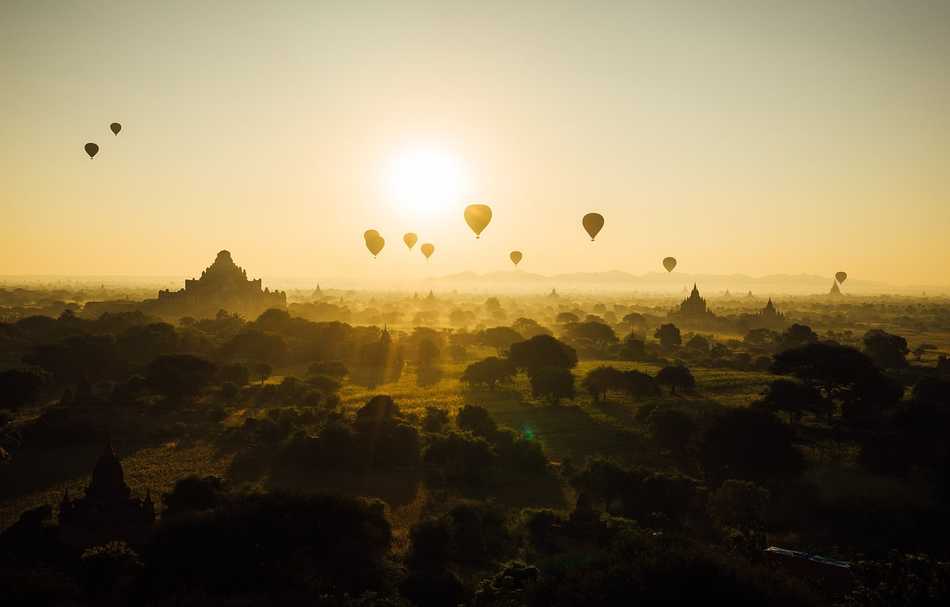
x: 593, y: 222
x: 427, y: 250
x: 410, y: 239
x: 375, y: 244
x: 115, y: 127
x: 841, y: 277
x: 515, y: 257
x: 370, y: 234
x: 92, y: 149
x: 669, y: 263
x: 477, y: 216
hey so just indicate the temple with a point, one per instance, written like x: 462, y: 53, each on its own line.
x: 767, y: 318
x: 835, y: 291
x: 222, y: 286
x: 108, y: 511
x: 693, y: 312
x: 693, y: 308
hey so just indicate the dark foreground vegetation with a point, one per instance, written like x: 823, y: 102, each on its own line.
x: 535, y: 453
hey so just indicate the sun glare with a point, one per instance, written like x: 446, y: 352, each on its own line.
x: 426, y: 181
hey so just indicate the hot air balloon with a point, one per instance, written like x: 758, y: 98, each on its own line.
x: 477, y: 216
x: 92, y: 149
x: 370, y: 234
x: 410, y: 239
x: 669, y: 263
x: 116, y: 127
x: 374, y: 242
x: 515, y: 257
x: 427, y: 250
x: 593, y: 222
x: 841, y: 277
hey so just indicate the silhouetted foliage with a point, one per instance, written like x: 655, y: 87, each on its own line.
x: 599, y: 381
x: 676, y: 376
x: 179, y: 375
x: 19, y: 387
x: 669, y: 336
x: 749, y: 444
x: 886, y: 350
x: 552, y: 383
x: 540, y: 352
x: 489, y: 372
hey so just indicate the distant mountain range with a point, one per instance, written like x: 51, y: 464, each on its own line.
x: 712, y: 284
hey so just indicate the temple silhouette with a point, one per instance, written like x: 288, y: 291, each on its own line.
x: 693, y: 309
x: 767, y: 318
x: 222, y: 286
x: 108, y: 511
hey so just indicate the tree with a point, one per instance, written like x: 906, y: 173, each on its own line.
x: 636, y: 321
x: 329, y: 368
x: 633, y: 348
x: 761, y: 338
x: 499, y: 338
x: 597, y: 334
x: 739, y: 504
x: 542, y: 351
x: 676, y: 376
x: 841, y: 374
x: 669, y: 336
x: 179, y: 375
x: 553, y: 383
x: 749, y: 444
x: 236, y: 374
x: 640, y: 385
x: 427, y: 354
x: 193, y: 494
x: 262, y: 370
x: 489, y: 372
x: 566, y: 317
x: 254, y: 344
x: 888, y: 351
x: 672, y: 430
x: 476, y: 420
x: 599, y: 381
x: 529, y: 328
x: 922, y: 349
x: 19, y: 387
x: 78, y: 358
x: 142, y: 343
x: 795, y: 398
x: 435, y: 420
x: 796, y: 336
x: 698, y: 343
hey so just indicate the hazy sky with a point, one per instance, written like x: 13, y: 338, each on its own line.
x: 741, y: 137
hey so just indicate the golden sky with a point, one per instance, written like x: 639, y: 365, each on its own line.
x: 750, y: 137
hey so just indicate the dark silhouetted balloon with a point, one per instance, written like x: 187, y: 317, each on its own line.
x: 669, y: 263
x: 410, y: 239
x: 92, y: 149
x: 427, y: 250
x: 477, y: 216
x: 516, y: 257
x: 369, y: 234
x: 593, y: 222
x: 841, y: 277
x: 375, y: 242
x: 116, y: 127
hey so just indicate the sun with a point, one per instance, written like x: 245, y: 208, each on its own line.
x: 426, y: 181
